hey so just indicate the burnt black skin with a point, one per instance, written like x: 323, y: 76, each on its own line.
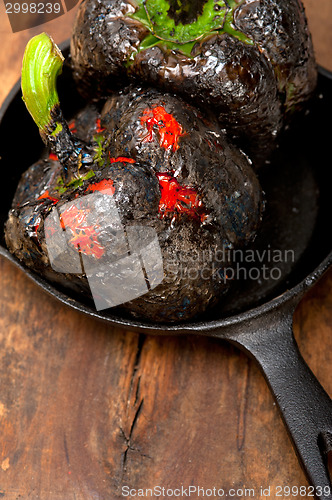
x: 251, y: 88
x: 204, y: 160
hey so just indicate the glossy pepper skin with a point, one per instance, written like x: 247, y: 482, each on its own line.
x: 142, y: 175
x: 172, y: 136
x: 252, y: 71
x: 167, y: 167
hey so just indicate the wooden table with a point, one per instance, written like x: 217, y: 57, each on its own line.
x: 86, y: 409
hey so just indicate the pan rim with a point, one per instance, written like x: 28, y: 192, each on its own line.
x: 198, y: 327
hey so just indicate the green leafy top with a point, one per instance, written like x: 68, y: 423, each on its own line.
x: 165, y: 28
x: 172, y: 23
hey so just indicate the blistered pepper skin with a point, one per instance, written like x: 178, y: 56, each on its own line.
x: 168, y: 168
x: 250, y: 86
x: 200, y: 156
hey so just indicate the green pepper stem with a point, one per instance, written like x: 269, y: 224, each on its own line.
x: 42, y: 63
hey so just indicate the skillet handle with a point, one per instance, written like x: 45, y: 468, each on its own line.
x: 304, y: 405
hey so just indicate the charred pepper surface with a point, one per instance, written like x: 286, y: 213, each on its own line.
x: 251, y: 62
x: 161, y: 176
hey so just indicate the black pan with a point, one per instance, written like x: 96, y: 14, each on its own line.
x: 257, y: 315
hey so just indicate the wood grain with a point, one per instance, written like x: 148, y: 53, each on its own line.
x: 86, y: 409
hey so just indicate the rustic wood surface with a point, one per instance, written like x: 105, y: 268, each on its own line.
x: 86, y: 409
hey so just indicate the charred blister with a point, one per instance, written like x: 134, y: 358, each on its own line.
x: 105, y: 238
x: 34, y: 200
x: 200, y: 173
x: 105, y: 23
x: 238, y: 86
x: 251, y: 67
x: 281, y: 30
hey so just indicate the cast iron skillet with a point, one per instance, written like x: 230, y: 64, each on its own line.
x: 257, y: 315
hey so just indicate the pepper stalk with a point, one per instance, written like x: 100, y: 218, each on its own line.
x: 42, y: 63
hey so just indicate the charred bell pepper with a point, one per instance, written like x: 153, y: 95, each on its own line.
x: 251, y: 62
x: 149, y: 175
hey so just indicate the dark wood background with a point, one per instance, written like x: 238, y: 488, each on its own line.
x: 85, y: 409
